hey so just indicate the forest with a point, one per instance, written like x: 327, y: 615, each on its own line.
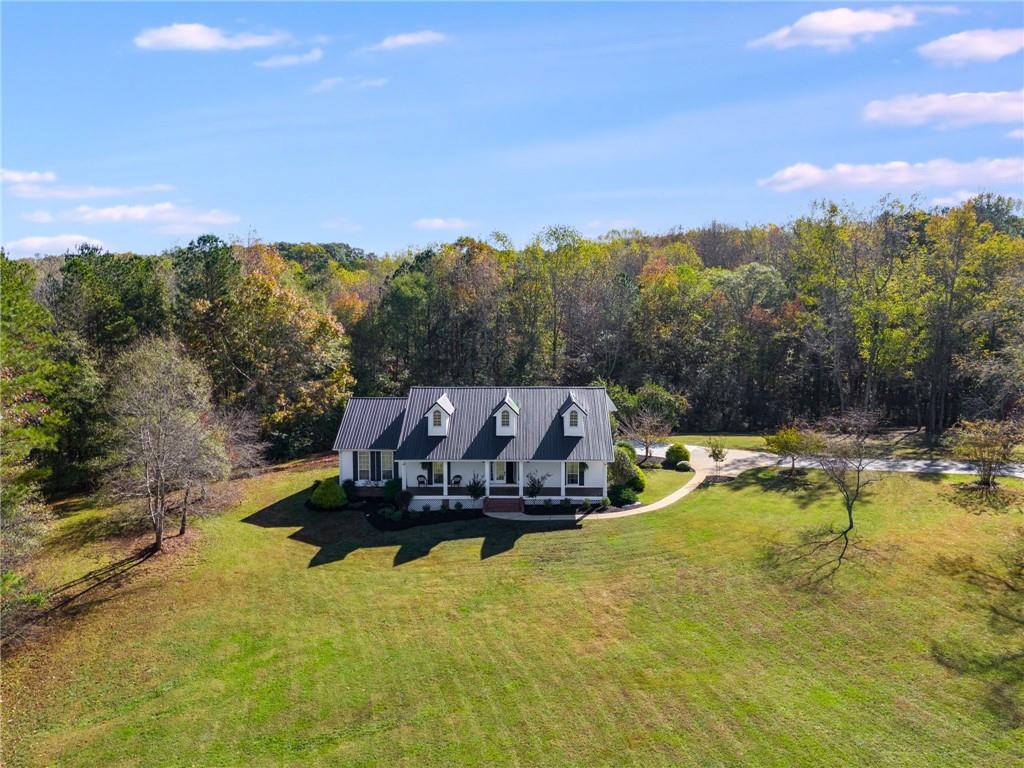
x: 916, y: 314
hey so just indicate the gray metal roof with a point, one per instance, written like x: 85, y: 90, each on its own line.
x: 371, y: 423
x: 539, y: 434
x: 570, y: 401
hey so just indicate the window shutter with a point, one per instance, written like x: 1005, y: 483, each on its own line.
x: 355, y: 465
x: 582, y: 472
x: 395, y: 471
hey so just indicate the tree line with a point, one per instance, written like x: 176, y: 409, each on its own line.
x: 910, y: 313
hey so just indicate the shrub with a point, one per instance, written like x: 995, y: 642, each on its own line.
x: 621, y: 495
x: 623, y: 468
x: 350, y: 487
x: 390, y: 513
x: 628, y: 447
x: 392, y: 488
x: 476, y: 487
x: 638, y: 482
x: 458, y: 505
x: 676, y: 452
x: 684, y: 466
x: 606, y: 502
x: 403, y: 500
x: 547, y: 502
x: 328, y: 495
x: 426, y: 508
x: 534, y: 485
x: 565, y: 503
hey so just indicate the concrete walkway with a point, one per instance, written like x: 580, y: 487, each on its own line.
x: 737, y: 461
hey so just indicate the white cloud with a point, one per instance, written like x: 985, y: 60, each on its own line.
x: 1016, y: 133
x: 974, y: 45
x: 948, y: 109
x: 30, y: 246
x: 291, y: 59
x: 953, y: 198
x: 199, y: 37
x: 932, y: 173
x: 38, y: 217
x: 441, y: 223
x: 170, y: 218
x: 409, y: 39
x: 22, y: 177
x: 839, y: 28
x: 82, y: 192
x: 327, y: 84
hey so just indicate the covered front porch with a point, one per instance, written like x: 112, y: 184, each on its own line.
x: 556, y: 479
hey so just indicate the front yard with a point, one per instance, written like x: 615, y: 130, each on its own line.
x: 288, y: 636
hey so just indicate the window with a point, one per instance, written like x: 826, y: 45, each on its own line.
x: 364, y: 466
x: 498, y: 471
x: 574, y: 419
x: 437, y: 470
x: 387, y: 465
x: 505, y: 419
x: 572, y: 472
x: 437, y: 419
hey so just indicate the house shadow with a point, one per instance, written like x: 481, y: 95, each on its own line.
x: 338, y: 534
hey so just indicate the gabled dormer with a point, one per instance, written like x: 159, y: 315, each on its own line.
x: 506, y: 417
x: 439, y: 416
x: 574, y: 416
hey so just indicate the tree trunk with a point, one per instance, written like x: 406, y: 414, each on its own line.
x: 159, y: 543
x: 184, y: 512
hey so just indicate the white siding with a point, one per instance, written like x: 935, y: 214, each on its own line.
x: 345, y: 465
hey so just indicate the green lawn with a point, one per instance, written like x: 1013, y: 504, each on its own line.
x: 662, y: 482
x: 731, y: 440
x: 283, y: 636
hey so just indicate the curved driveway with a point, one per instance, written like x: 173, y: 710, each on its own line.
x: 737, y: 461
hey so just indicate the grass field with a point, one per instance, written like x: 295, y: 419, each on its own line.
x: 662, y: 482
x: 282, y: 636
x: 730, y: 440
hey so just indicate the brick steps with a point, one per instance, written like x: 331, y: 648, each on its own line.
x: 499, y: 504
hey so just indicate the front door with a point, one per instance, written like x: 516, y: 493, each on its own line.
x: 437, y: 470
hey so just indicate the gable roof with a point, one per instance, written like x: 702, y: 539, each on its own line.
x: 443, y: 403
x: 509, y: 402
x: 371, y: 423
x: 571, y: 401
x: 471, y: 434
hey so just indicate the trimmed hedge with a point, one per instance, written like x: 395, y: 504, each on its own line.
x: 328, y: 495
x: 676, y: 452
x: 684, y: 466
x: 622, y: 495
x: 638, y: 481
x: 629, y: 447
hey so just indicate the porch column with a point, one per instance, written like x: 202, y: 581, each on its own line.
x: 519, y: 476
x: 444, y: 467
x: 487, y: 478
x: 604, y: 482
x: 562, y: 465
x: 401, y: 470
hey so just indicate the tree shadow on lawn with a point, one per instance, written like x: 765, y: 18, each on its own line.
x: 338, y: 534
x: 997, y: 661
x: 805, y: 490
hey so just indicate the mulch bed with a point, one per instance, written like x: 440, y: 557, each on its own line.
x: 574, y: 509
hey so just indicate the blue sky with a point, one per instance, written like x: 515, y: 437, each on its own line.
x: 390, y: 126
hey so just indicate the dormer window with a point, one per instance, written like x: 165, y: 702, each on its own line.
x: 506, y: 416
x: 574, y: 416
x: 439, y: 416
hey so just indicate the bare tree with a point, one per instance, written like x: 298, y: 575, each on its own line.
x: 845, y: 457
x: 646, y: 426
x: 166, y: 440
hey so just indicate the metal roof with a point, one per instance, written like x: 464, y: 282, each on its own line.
x: 443, y: 403
x: 471, y: 432
x: 371, y: 423
x: 509, y: 402
x: 571, y: 401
